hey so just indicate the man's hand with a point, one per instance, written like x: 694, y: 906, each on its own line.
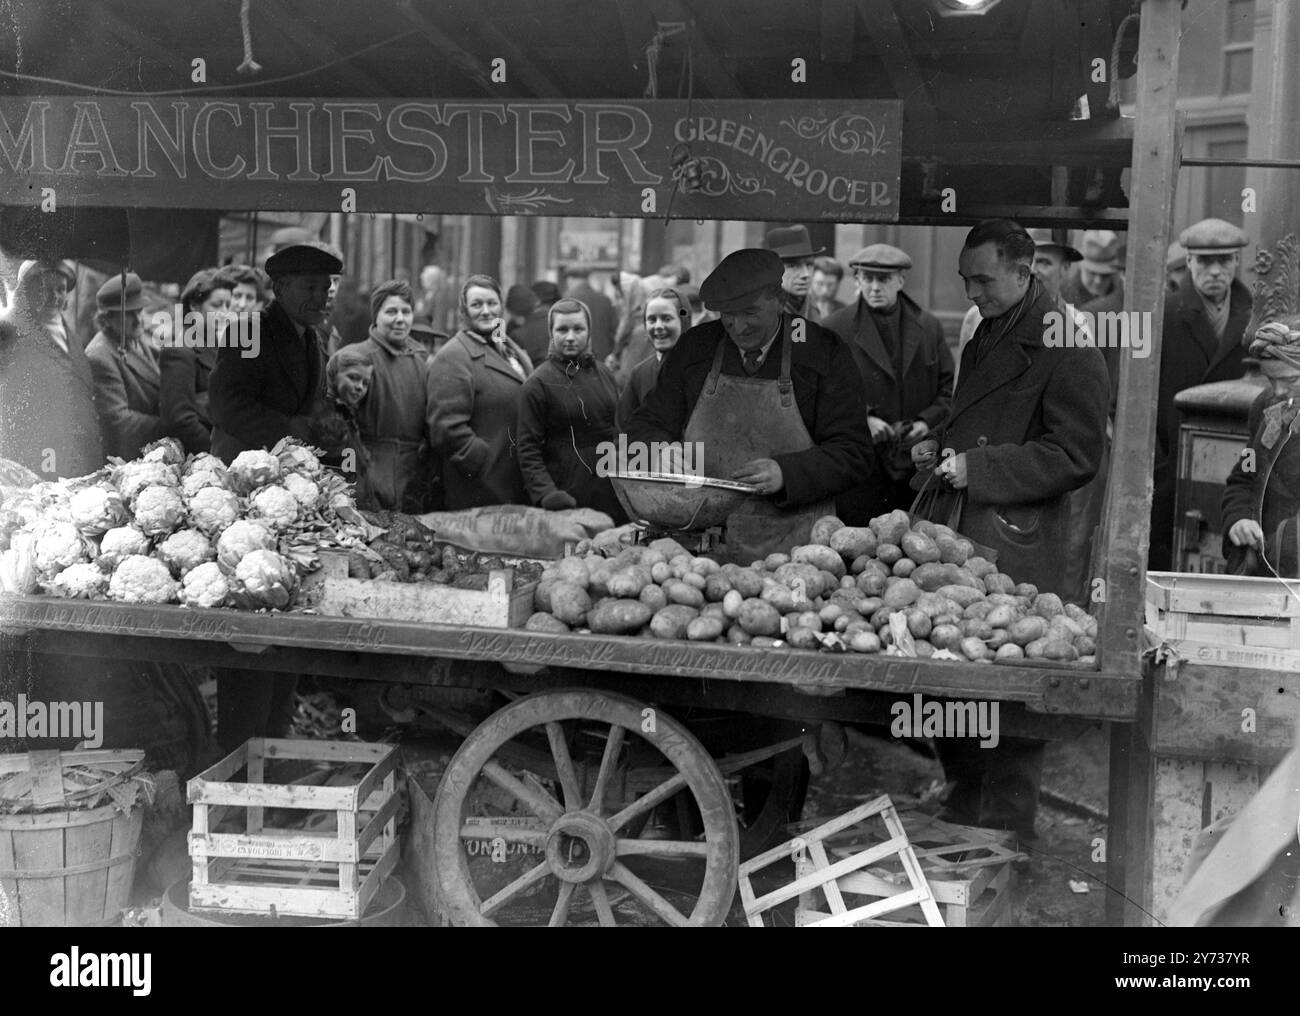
x: 953, y: 470
x: 925, y: 454
x: 1246, y: 533
x: 919, y: 429
x: 764, y: 474
x: 611, y: 362
x: 880, y: 429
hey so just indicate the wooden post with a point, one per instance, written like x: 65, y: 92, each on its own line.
x: 1126, y: 526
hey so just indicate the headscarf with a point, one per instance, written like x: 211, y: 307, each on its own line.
x: 567, y: 306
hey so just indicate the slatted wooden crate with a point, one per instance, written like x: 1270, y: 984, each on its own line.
x: 969, y: 870
x: 244, y: 865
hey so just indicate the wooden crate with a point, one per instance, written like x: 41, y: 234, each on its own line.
x: 969, y: 870
x: 260, y: 869
x: 330, y: 592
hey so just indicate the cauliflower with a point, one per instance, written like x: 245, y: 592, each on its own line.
x: 96, y: 510
x: 204, y: 462
x: 185, y: 550
x: 58, y: 544
x: 205, y: 586
x: 82, y: 581
x: 296, y: 457
x: 253, y: 469
x: 264, y: 579
x: 141, y: 579
x: 195, y: 482
x: 166, y: 449
x: 158, y: 510
x: 213, y: 509
x: 119, y: 543
x: 132, y: 477
x: 276, y: 506
x: 242, y: 538
x: 305, y: 491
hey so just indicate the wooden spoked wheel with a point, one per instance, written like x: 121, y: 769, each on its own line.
x: 569, y: 846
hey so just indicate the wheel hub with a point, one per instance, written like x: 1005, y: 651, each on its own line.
x: 580, y: 847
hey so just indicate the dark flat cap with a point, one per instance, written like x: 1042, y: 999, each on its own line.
x: 791, y: 242
x: 303, y: 259
x: 1212, y: 236
x: 739, y: 276
x: 1043, y: 241
x: 113, y: 296
x: 881, y: 257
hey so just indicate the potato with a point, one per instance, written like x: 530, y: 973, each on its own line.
x: 737, y: 635
x: 924, y: 650
x: 542, y: 621
x: 999, y: 583
x: 820, y: 557
x: 902, y: 594
x: 667, y: 546
x: 747, y: 582
x: 890, y: 528
x: 678, y: 591
x: 979, y: 610
x: 694, y: 578
x: 930, y: 577
x: 998, y: 639
x: 920, y: 548
x: 1075, y: 613
x: 946, y: 636
x: 975, y: 628
x: 868, y: 605
x: 627, y: 583
x: 716, y: 586
x: 805, y: 619
x: 849, y: 617
x: 704, y: 629
x: 653, y: 597
x: 830, y: 612
x: 1084, y: 645
x: 1027, y: 630
x: 774, y: 561
x: 780, y: 597
x: 1090, y: 627
x: 849, y: 582
x: 963, y: 595
x: 542, y: 594
x: 628, y: 556
x: 570, y: 602
x: 660, y: 573
x: 925, y: 527
x: 731, y: 603
x: 824, y: 528
x: 715, y: 610
x: 859, y: 564
x: 1059, y: 650
x: 1026, y: 589
x: 904, y: 567
x: 766, y: 642
x: 851, y: 542
x: 600, y: 572
x: 680, y: 567
x: 871, y: 583
x: 965, y: 550
x: 1034, y: 650
x: 880, y: 619
x: 952, y: 617
x: 1069, y: 629
x: 800, y: 637
x: 962, y: 577
x: 979, y: 566
x: 1000, y: 615
x: 888, y: 554
x: 974, y: 649
x: 918, y: 623
x: 705, y: 566
x: 619, y: 617
x: 573, y: 569
x: 1047, y: 605
x: 671, y: 621
x: 865, y: 642
x: 1009, y: 651
x: 652, y: 557
x: 802, y: 578
x: 759, y: 617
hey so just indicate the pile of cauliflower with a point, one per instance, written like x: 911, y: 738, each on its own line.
x: 167, y: 528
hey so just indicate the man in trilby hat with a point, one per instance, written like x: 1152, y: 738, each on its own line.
x: 798, y: 260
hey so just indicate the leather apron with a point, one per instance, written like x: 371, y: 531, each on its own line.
x: 737, y: 420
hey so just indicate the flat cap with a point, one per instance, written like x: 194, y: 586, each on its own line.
x: 1212, y: 236
x: 304, y: 259
x: 113, y: 296
x: 1043, y: 241
x: 1176, y: 256
x: 881, y: 257
x: 1101, y: 251
x: 739, y: 276
x: 791, y: 242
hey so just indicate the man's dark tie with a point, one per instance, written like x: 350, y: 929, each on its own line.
x: 751, y: 360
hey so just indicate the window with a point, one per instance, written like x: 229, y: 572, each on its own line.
x: 1238, y: 51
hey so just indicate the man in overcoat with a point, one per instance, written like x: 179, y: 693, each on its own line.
x: 1203, y: 327
x: 907, y: 375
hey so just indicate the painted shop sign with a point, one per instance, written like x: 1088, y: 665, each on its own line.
x: 733, y: 159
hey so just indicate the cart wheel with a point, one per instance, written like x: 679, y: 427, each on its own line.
x: 582, y: 849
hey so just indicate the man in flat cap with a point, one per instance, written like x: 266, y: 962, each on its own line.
x: 798, y: 259
x: 1203, y: 327
x: 128, y: 380
x: 256, y: 401
x: 769, y: 399
x: 907, y: 377
x: 1175, y: 266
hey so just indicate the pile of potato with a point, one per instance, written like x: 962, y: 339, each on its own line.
x: 837, y: 593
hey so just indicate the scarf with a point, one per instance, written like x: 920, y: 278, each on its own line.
x: 991, y: 330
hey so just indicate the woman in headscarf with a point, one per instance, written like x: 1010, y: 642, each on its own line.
x: 393, y: 417
x: 566, y: 413
x: 473, y: 394
x: 188, y: 356
x: 667, y: 314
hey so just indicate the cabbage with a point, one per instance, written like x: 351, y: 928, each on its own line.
x: 194, y: 482
x: 304, y: 491
x: 119, y: 543
x: 158, y: 510
x: 253, y: 469
x: 264, y: 579
x: 276, y: 506
x: 205, y: 586
x: 166, y: 449
x: 142, y: 580
x: 296, y: 457
x: 185, y: 550
x: 82, y: 581
x: 96, y: 510
x: 58, y: 544
x: 242, y: 538
x: 132, y: 477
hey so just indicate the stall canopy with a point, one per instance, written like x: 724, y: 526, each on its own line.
x: 868, y: 111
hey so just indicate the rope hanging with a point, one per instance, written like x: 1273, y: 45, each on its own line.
x: 249, y: 66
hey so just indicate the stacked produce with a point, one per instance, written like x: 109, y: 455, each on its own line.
x: 409, y: 551
x: 893, y: 586
x: 167, y: 528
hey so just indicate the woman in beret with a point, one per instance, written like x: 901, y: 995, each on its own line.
x: 189, y: 355
x: 474, y: 384
x: 666, y: 315
x: 566, y: 414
